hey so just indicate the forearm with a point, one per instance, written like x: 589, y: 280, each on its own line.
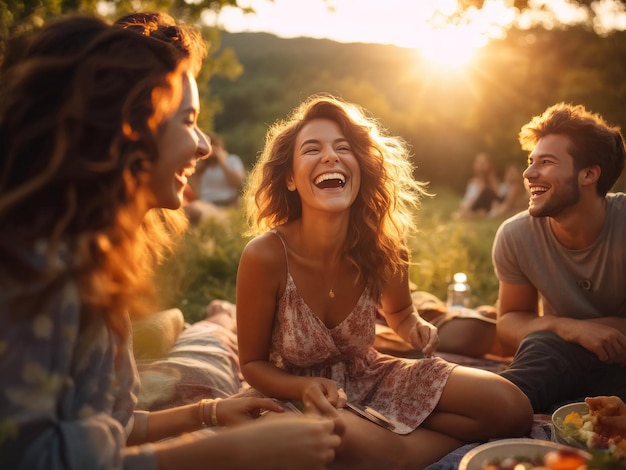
x: 171, y: 422
x: 614, y: 322
x: 199, y: 451
x: 272, y: 381
x: 401, y: 322
x: 513, y: 327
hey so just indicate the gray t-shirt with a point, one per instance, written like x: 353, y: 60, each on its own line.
x: 588, y: 283
x: 215, y: 187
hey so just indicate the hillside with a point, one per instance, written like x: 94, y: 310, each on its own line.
x: 446, y: 116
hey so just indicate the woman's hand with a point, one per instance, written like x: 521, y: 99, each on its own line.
x: 288, y: 441
x: 423, y: 336
x: 233, y: 411
x: 322, y: 397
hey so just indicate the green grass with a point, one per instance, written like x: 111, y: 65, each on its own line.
x: 446, y: 245
x: 204, y: 265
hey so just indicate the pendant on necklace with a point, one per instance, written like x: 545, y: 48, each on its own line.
x: 331, y: 293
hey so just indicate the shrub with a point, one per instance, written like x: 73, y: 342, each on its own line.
x: 203, y: 267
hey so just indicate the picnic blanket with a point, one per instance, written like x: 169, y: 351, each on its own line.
x: 202, y: 362
x: 541, y: 429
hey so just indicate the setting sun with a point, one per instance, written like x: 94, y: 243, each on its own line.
x: 450, y: 47
x: 451, y: 40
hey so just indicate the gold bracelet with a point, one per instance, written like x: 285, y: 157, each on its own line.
x: 201, y: 404
x: 214, y: 413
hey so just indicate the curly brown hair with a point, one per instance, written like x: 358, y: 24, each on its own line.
x: 75, y: 135
x: 164, y: 27
x: 382, y: 216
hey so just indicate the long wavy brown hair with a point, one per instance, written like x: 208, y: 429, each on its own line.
x: 77, y: 133
x: 383, y: 214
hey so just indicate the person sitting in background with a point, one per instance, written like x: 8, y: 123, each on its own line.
x: 221, y: 176
x: 482, y: 190
x: 217, y: 183
x: 514, y: 195
x: 561, y: 265
x: 106, y: 136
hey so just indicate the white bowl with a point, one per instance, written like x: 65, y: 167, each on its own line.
x: 506, y: 448
x: 557, y: 423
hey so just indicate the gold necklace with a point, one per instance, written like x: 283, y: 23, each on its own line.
x: 331, y: 292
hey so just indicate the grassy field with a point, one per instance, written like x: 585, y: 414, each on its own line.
x: 204, y: 266
x: 446, y: 245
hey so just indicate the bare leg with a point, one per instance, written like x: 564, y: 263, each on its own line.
x: 366, y: 446
x: 467, y: 336
x: 477, y: 405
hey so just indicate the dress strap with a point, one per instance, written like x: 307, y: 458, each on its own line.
x: 275, y: 232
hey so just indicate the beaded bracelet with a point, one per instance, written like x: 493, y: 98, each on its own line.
x: 214, y: 413
x: 201, y: 404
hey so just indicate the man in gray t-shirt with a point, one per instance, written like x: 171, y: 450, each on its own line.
x: 562, y: 264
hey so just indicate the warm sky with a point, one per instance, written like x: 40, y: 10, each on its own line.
x: 423, y: 24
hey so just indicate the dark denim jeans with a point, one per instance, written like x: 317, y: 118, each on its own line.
x: 553, y: 372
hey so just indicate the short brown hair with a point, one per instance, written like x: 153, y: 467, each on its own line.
x: 593, y: 140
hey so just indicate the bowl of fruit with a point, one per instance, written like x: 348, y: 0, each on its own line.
x: 524, y: 454
x: 573, y: 425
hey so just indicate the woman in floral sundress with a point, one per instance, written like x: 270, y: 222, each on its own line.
x: 331, y: 201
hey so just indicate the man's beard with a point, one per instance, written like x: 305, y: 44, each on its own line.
x: 563, y: 198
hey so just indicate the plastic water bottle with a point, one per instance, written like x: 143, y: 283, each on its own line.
x: 459, y: 291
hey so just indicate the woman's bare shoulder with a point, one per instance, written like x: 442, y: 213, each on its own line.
x: 266, y: 249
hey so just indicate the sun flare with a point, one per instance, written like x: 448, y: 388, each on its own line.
x: 451, y: 47
x: 452, y: 38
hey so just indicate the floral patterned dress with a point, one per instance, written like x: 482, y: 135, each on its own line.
x: 406, y: 391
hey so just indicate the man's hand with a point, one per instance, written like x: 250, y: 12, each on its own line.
x: 606, y: 342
